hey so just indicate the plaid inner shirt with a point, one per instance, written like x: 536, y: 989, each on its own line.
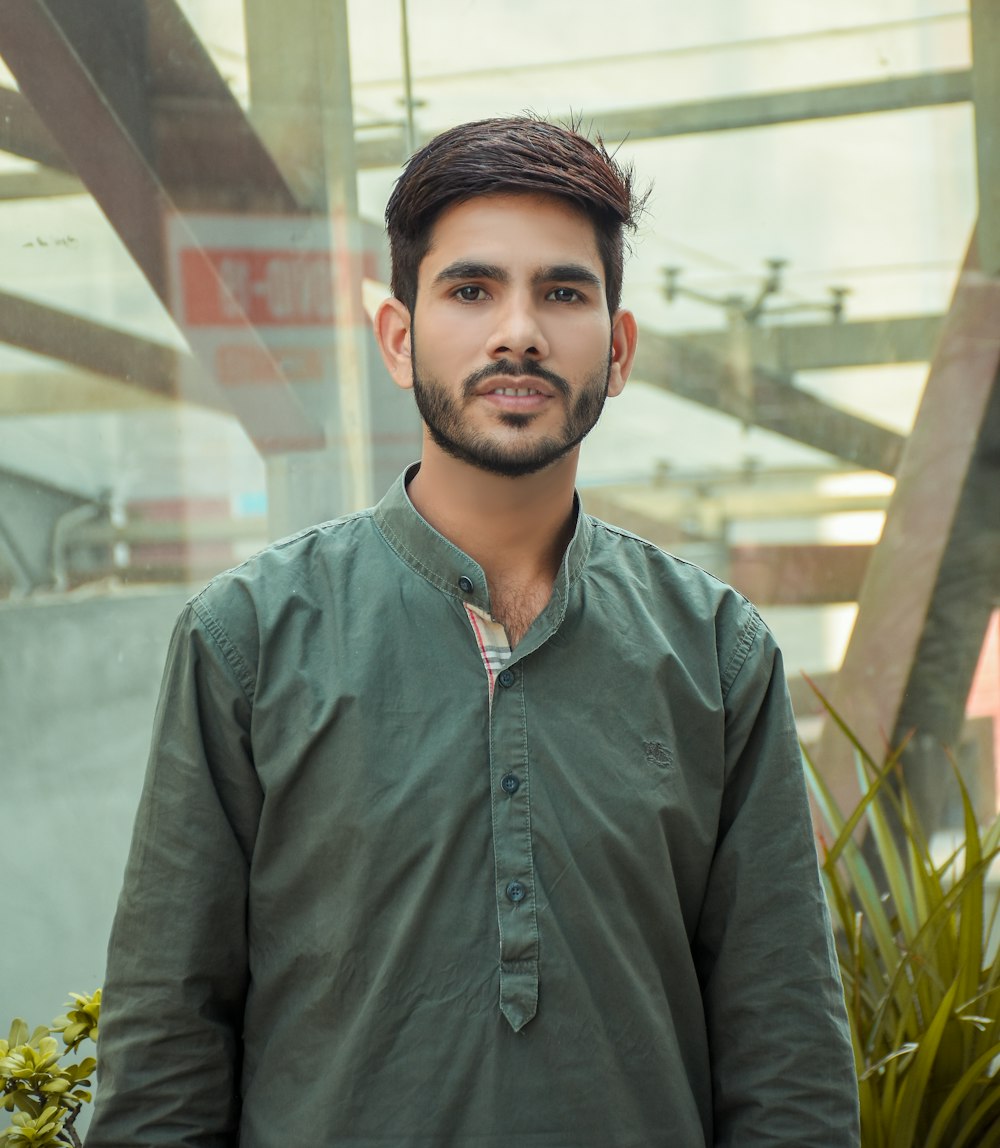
x: 491, y: 638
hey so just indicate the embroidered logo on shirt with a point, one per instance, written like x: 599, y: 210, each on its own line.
x: 657, y: 754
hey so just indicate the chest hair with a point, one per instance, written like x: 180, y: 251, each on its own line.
x: 516, y: 607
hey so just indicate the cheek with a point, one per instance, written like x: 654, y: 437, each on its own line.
x: 589, y: 336
x: 448, y: 346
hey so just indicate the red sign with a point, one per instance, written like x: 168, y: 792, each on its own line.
x: 226, y: 286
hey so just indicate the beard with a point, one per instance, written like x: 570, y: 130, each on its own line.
x: 448, y: 428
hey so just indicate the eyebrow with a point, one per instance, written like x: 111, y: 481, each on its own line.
x: 561, y: 272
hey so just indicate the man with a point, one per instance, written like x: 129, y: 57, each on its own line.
x: 470, y: 820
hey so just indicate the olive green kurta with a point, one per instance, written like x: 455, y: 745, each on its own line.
x: 368, y: 904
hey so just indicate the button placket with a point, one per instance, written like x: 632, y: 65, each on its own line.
x: 512, y: 847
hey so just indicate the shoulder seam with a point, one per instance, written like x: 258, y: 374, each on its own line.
x: 623, y: 533
x: 234, y: 659
x: 739, y: 655
x: 282, y: 543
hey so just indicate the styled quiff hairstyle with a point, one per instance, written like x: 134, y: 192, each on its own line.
x: 519, y: 155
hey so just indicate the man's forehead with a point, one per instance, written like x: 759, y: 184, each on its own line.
x: 497, y: 229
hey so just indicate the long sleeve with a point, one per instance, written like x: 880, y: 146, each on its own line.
x: 171, y: 1027
x: 782, y: 1067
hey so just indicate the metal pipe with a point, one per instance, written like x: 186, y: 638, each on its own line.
x: 411, y: 132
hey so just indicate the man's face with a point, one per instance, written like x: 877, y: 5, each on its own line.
x: 511, y: 343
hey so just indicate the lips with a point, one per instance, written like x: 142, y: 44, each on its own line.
x: 519, y: 388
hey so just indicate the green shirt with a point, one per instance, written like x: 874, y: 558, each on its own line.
x: 392, y: 884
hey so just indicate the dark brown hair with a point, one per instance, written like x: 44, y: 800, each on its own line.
x: 519, y: 155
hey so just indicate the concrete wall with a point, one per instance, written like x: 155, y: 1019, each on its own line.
x: 79, y: 677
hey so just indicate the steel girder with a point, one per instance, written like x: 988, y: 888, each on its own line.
x: 107, y: 80
x: 775, y: 403
x: 934, y: 577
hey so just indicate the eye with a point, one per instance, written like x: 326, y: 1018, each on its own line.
x: 564, y: 295
x: 470, y: 293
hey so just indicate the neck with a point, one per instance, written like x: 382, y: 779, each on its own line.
x: 517, y: 529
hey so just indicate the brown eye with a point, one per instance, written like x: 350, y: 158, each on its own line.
x: 470, y: 293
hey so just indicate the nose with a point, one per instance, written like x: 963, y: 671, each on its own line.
x: 518, y: 332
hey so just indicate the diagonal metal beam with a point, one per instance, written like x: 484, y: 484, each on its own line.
x: 71, y: 103
x: 88, y: 90
x: 935, y: 574
x: 778, y: 405
x: 207, y: 151
x: 142, y: 363
x: 23, y: 133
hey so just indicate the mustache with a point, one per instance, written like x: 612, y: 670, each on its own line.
x: 510, y: 369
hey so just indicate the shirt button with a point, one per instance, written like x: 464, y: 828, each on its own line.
x: 505, y: 678
x: 465, y: 585
x: 509, y: 783
x: 516, y: 891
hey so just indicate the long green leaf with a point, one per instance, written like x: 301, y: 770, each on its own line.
x: 974, y: 1126
x: 871, y: 1126
x: 893, y: 864
x: 909, y: 1103
x: 913, y: 962
x: 970, y: 927
x: 963, y: 1086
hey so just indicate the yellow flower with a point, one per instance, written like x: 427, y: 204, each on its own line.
x: 81, y: 1021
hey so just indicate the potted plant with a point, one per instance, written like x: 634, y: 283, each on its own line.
x: 921, y: 978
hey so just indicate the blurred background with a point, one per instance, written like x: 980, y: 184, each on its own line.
x: 191, y: 194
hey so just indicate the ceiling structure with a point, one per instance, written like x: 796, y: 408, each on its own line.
x: 146, y: 123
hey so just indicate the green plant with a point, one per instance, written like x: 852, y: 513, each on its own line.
x: 45, y: 1095
x: 921, y: 986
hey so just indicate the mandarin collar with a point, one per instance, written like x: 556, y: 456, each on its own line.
x: 450, y: 569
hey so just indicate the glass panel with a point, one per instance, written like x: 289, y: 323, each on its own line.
x: 190, y: 227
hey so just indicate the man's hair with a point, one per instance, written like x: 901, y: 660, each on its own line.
x: 520, y: 155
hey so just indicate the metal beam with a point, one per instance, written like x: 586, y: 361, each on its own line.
x: 42, y: 183
x: 985, y: 19
x: 385, y: 148
x: 144, y: 364
x: 23, y: 133
x: 804, y: 574
x: 183, y: 112
x: 61, y: 391
x: 777, y: 404
x: 283, y: 100
x: 306, y: 115
x: 70, y: 100
x: 754, y: 110
x: 828, y: 346
x: 208, y: 153
x: 50, y: 46
x: 935, y: 575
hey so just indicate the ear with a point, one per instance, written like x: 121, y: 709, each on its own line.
x: 624, y: 335
x: 392, y: 330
